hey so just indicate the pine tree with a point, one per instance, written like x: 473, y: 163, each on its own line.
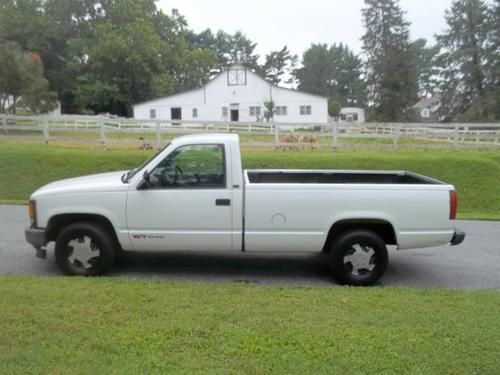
x: 391, y: 71
x: 464, y: 62
x: 277, y: 64
x: 494, y: 60
x: 424, y: 57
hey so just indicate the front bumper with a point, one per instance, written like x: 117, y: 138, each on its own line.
x: 458, y: 237
x: 36, y: 237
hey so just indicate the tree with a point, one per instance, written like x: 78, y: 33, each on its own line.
x: 229, y: 49
x: 278, y: 63
x: 350, y: 87
x: 493, y: 69
x: 335, y: 72
x: 269, y: 110
x: 195, y: 68
x: 21, y: 78
x: 425, y: 62
x: 391, y: 71
x: 136, y: 53
x: 334, y: 108
x: 464, y: 63
x: 36, y: 95
x: 120, y: 60
x: 49, y: 28
x: 105, y: 55
x: 315, y: 75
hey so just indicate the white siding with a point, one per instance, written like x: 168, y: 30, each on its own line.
x: 216, y: 94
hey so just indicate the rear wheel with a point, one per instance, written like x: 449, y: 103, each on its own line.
x: 84, y: 249
x: 358, y: 257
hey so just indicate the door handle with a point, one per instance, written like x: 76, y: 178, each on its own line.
x: 223, y: 202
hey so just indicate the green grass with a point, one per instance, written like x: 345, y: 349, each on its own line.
x: 25, y: 166
x: 62, y: 325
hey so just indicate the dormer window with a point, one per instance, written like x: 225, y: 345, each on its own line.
x: 237, y: 77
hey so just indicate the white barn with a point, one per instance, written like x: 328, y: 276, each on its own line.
x: 237, y: 94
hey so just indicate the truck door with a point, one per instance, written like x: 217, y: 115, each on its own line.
x: 187, y: 203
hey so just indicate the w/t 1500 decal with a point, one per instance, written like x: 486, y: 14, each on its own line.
x: 147, y: 237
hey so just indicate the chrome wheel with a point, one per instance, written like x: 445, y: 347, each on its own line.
x: 360, y: 259
x: 83, y: 252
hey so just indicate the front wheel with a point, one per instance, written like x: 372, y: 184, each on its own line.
x: 358, y: 257
x: 84, y: 249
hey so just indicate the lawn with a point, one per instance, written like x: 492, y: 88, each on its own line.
x: 76, y: 325
x: 25, y: 166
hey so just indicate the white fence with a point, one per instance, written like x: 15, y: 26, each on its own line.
x: 106, y: 130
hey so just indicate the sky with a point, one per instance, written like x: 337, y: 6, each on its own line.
x: 275, y: 23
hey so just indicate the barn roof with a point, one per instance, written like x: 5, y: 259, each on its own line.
x: 217, y: 75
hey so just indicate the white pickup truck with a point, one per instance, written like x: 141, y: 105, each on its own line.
x: 194, y: 196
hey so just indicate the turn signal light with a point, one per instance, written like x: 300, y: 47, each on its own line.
x: 32, y: 212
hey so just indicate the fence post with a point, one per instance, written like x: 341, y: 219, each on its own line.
x: 158, y: 135
x: 276, y: 135
x: 4, y: 122
x: 335, y: 135
x: 455, y: 137
x: 46, y: 134
x: 103, y: 133
x: 396, y: 136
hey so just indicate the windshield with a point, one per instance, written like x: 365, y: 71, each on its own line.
x: 127, y: 176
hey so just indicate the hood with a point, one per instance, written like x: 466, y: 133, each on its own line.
x: 103, y: 182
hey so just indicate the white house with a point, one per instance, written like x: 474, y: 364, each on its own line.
x: 427, y: 109
x: 237, y: 94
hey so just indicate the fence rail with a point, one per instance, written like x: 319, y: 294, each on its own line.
x: 109, y: 130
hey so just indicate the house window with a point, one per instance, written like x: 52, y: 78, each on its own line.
x: 176, y: 113
x: 255, y: 111
x: 195, y: 112
x: 224, y: 112
x: 305, y: 110
x: 425, y: 113
x: 152, y: 113
x: 281, y: 110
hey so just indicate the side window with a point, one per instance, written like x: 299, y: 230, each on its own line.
x: 192, y: 166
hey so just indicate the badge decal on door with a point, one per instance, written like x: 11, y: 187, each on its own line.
x: 136, y: 236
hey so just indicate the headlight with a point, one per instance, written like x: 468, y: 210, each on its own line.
x: 32, y: 212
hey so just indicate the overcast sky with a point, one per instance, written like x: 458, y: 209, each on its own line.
x: 297, y: 24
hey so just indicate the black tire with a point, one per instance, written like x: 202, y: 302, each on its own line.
x: 370, y: 264
x: 90, y: 236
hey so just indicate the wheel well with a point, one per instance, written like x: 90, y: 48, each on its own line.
x: 59, y: 222
x: 383, y: 228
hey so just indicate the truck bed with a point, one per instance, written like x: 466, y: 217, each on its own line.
x: 338, y: 177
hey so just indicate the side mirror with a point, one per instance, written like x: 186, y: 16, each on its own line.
x: 145, y: 181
